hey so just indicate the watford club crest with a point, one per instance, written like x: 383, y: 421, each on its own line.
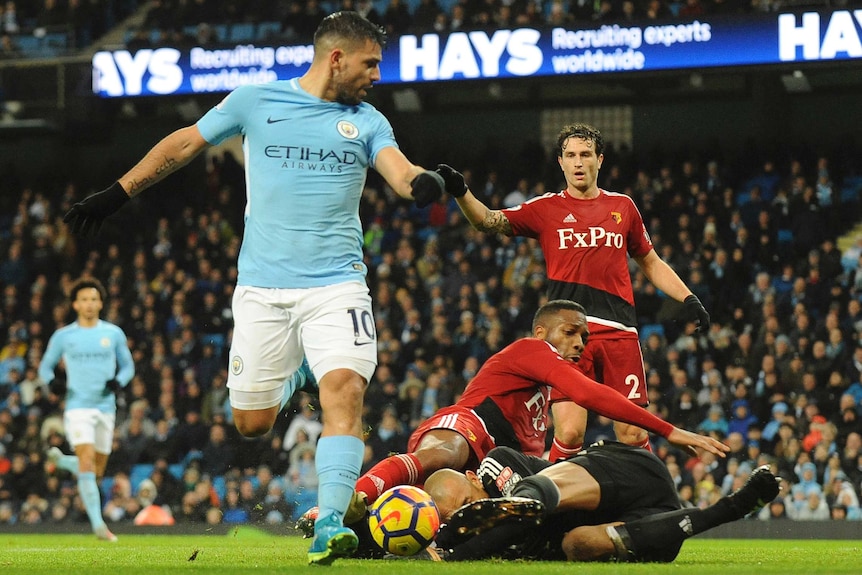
x: 617, y: 217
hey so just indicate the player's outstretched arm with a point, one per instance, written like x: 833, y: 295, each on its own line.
x: 170, y: 154
x: 666, y: 279
x: 480, y: 216
x: 608, y: 402
x: 693, y: 441
x: 409, y: 181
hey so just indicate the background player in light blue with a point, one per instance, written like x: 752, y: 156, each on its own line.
x: 98, y: 363
x: 308, y: 143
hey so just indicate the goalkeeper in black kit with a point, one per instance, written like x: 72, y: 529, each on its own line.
x: 609, y: 502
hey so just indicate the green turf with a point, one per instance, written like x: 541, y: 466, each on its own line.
x: 247, y: 551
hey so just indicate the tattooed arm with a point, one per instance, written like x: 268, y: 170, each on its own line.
x: 169, y: 155
x: 481, y: 217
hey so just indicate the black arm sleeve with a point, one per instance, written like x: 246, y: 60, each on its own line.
x: 503, y: 468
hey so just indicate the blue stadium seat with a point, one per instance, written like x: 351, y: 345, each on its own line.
x: 55, y: 44
x: 849, y: 195
x: 30, y: 46
x: 220, y: 32
x: 381, y: 5
x: 106, y: 487
x: 446, y: 5
x: 220, y: 486
x: 651, y: 328
x: 241, y: 32
x: 177, y: 470
x: 547, y: 6
x: 302, y: 502
x: 784, y: 243
x: 268, y: 30
x: 140, y: 471
x: 217, y: 340
x: 854, y: 182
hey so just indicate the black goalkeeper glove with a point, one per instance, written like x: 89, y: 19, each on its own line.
x: 455, y: 184
x: 695, y: 312
x: 477, y: 517
x: 86, y: 217
x: 57, y: 386
x: 427, y: 187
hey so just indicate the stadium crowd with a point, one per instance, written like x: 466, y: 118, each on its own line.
x: 778, y: 376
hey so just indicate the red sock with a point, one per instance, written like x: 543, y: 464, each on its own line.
x: 560, y: 450
x: 402, y: 469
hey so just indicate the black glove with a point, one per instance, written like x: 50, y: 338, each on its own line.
x: 427, y: 187
x: 455, y: 184
x: 86, y: 217
x: 492, y: 543
x: 57, y: 386
x: 695, y: 311
x: 113, y: 386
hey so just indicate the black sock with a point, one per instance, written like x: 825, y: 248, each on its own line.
x: 665, y: 532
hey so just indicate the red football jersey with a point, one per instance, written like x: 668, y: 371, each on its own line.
x: 510, y: 394
x: 587, y: 244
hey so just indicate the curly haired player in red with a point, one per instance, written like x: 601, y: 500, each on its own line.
x: 587, y: 235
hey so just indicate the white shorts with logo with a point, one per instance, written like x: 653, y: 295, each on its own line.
x: 333, y: 326
x: 90, y: 426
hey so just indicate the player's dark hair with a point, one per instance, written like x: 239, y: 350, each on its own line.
x: 584, y: 132
x: 85, y: 283
x: 554, y: 306
x: 350, y: 26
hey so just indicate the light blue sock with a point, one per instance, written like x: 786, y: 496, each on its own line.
x: 298, y: 379
x: 90, y: 496
x: 338, y: 460
x: 69, y: 463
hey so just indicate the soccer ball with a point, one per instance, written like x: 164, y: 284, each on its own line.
x: 403, y: 520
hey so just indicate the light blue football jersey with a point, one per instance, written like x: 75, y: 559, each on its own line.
x: 93, y: 355
x: 306, y: 161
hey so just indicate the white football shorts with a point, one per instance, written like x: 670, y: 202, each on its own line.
x: 90, y: 426
x: 333, y: 326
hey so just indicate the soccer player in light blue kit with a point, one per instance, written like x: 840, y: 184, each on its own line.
x: 98, y: 363
x: 308, y: 143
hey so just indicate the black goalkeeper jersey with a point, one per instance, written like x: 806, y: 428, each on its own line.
x: 634, y: 484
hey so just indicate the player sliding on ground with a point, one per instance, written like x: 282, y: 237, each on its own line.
x: 610, y: 502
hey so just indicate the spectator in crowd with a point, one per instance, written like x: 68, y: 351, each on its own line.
x: 8, y: 47
x: 307, y: 420
x: 233, y: 510
x: 218, y: 455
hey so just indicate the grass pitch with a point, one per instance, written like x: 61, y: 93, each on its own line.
x: 247, y: 551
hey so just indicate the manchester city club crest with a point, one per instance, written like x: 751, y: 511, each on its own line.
x: 236, y: 365
x: 347, y: 129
